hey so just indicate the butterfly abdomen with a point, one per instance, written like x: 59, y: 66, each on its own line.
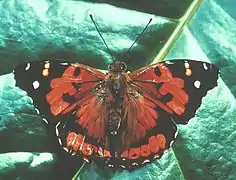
x: 114, y: 132
x: 114, y: 123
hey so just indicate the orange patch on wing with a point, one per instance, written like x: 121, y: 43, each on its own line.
x: 145, y: 150
x: 134, y: 153
x: 106, y: 153
x: 45, y: 72
x: 154, y: 144
x: 125, y: 154
x: 176, y: 106
x: 57, y: 93
x: 178, y: 82
x: 180, y: 97
x: 177, y: 92
x: 188, y: 72
x: 54, y: 98
x: 72, y: 91
x: 162, y: 140
x: 78, y: 142
x: 57, y: 107
x: 87, y: 149
x: 74, y: 140
x: 70, y: 138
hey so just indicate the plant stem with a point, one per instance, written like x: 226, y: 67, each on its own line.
x: 78, y: 172
x: 182, y: 22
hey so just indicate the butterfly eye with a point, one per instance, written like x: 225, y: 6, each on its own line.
x: 123, y: 66
x: 110, y: 66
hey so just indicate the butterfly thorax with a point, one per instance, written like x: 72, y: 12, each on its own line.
x: 116, y: 84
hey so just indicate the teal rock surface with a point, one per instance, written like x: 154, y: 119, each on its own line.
x: 25, y: 165
x: 217, y: 37
x: 205, y: 149
x: 165, y: 8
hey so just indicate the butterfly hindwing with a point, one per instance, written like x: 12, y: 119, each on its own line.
x: 153, y: 145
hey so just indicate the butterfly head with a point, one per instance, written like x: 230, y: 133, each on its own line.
x: 117, y: 66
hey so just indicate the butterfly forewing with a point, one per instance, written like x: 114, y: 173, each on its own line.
x: 176, y: 86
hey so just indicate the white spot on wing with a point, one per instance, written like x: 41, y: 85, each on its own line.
x: 176, y: 133
x: 169, y: 62
x: 85, y: 159
x: 156, y: 156
x: 165, y: 151
x: 47, y: 65
x: 45, y: 120
x: 134, y: 164
x: 186, y: 65
x: 64, y: 63
x: 171, y: 142
x: 146, y: 161
x: 205, y: 66
x: 27, y: 66
x: 57, y: 131
x: 35, y: 84
x: 59, y: 140
x: 197, y: 84
x: 37, y: 111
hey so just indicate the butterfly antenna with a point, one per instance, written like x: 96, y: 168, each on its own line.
x: 140, y: 35
x: 91, y: 17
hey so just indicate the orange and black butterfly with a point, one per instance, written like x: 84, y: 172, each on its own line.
x: 121, y: 119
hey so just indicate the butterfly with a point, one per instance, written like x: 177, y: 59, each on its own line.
x: 121, y: 119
